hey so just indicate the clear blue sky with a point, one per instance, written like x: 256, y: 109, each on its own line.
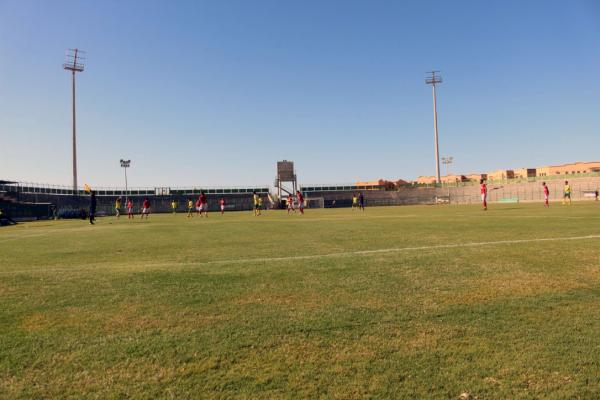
x: 214, y: 93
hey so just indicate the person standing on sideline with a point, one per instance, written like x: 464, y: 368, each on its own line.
x: 567, y: 193
x: 145, y: 208
x: 118, y: 207
x: 129, y: 209
x: 483, y: 187
x: 222, y: 204
x: 361, y: 201
x: 546, y: 194
x: 174, y: 206
x: 300, y: 199
x: 190, y: 208
x: 92, y: 207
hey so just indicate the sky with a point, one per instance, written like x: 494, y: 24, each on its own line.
x: 200, y: 93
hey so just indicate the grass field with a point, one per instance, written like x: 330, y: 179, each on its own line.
x: 396, y: 302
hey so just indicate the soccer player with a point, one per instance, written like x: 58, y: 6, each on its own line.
x: 145, y: 208
x: 118, y: 206
x: 300, y: 201
x: 290, y: 204
x: 354, y: 202
x: 255, y: 198
x: 190, y: 205
x: 567, y: 193
x: 198, y: 206
x: 174, y: 206
x: 92, y: 207
x: 129, y: 209
x: 203, y: 205
x: 222, y: 204
x: 361, y: 201
x: 483, y: 187
x: 546, y: 194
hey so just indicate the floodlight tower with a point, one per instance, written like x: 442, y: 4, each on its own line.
x: 433, y: 79
x: 74, y: 62
x: 447, y: 161
x: 125, y: 164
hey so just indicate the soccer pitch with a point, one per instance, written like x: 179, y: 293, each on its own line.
x: 393, y: 302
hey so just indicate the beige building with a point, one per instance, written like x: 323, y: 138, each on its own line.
x: 520, y: 173
x: 569, y: 169
x: 525, y: 173
x: 425, y: 179
x: 476, y: 177
x: 501, y: 174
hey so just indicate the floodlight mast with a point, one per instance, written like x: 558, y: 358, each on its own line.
x: 125, y: 164
x: 74, y: 62
x: 447, y: 161
x: 433, y: 79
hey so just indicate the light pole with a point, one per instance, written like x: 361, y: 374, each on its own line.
x: 447, y: 161
x: 75, y: 63
x: 125, y: 164
x: 433, y: 80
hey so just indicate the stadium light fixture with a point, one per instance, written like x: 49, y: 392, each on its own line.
x: 74, y: 62
x: 447, y: 161
x: 433, y: 79
x: 125, y: 164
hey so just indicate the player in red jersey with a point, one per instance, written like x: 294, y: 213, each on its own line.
x: 222, y: 204
x: 546, y: 194
x: 290, y: 204
x: 198, y: 206
x: 145, y: 208
x: 483, y: 194
x: 300, y: 199
x: 203, y: 205
x: 129, y: 209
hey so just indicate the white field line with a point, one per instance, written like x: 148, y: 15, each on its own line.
x: 326, y: 255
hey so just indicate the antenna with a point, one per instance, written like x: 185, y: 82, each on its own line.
x: 434, y: 79
x: 74, y: 62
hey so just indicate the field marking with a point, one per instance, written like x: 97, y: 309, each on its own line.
x: 316, y: 256
x: 395, y: 250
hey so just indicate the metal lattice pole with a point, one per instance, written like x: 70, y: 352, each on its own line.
x: 74, y: 62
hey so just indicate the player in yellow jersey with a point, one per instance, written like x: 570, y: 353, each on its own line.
x: 255, y: 201
x: 567, y: 193
x: 174, y: 206
x: 354, y: 202
x: 190, y: 205
x: 118, y: 206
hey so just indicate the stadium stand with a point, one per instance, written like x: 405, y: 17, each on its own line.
x: 35, y: 201
x: 70, y: 205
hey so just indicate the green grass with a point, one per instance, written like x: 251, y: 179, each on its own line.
x: 228, y: 307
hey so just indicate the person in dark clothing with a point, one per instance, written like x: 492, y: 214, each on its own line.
x: 5, y: 219
x: 361, y: 202
x: 92, y: 207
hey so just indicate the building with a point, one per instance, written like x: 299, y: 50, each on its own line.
x: 422, y: 180
x: 501, y: 174
x: 569, y: 169
x: 524, y: 173
x: 476, y: 177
